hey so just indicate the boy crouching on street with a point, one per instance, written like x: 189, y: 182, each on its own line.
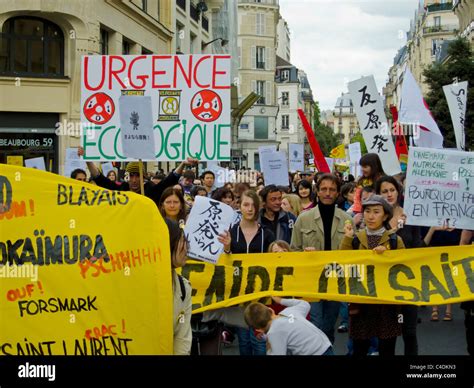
x: 289, y: 332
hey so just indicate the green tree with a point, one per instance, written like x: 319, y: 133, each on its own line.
x: 359, y: 138
x: 325, y: 135
x: 460, y: 66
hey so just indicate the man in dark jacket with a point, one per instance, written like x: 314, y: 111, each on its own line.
x: 273, y: 217
x: 152, y: 191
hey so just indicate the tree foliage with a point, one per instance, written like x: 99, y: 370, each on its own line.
x: 460, y: 67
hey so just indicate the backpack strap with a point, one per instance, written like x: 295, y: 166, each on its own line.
x: 393, y: 241
x: 183, y: 288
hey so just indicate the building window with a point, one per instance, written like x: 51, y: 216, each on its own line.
x: 261, y: 127
x: 435, y: 46
x: 256, y: 161
x: 260, y: 23
x: 260, y: 58
x: 144, y: 5
x: 261, y: 92
x: 104, y: 42
x: 125, y: 47
x: 285, y: 121
x: 285, y: 98
x: 437, y: 21
x: 31, y: 46
x: 285, y: 75
x: 192, y: 43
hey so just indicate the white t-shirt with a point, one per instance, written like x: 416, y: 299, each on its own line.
x: 292, y: 334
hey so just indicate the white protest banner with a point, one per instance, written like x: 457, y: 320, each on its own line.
x: 296, y: 157
x: 355, y: 154
x: 456, y: 95
x: 73, y: 162
x: 274, y: 166
x: 269, y: 148
x: 370, y: 113
x: 107, y: 167
x: 439, y: 188
x: 37, y: 163
x: 136, y: 123
x: 330, y: 162
x: 207, y: 219
x: 190, y: 98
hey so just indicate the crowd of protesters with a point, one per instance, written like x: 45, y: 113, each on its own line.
x: 315, y: 212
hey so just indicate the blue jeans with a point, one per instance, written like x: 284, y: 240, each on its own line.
x: 344, y: 311
x: 324, y: 316
x: 249, y: 344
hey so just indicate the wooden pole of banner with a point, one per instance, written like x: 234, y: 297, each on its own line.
x: 140, y: 168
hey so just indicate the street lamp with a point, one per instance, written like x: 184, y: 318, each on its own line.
x: 223, y: 42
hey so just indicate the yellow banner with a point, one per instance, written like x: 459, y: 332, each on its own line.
x: 83, y: 270
x: 338, y: 152
x: 423, y: 276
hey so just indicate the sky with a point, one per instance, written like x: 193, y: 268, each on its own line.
x: 338, y: 41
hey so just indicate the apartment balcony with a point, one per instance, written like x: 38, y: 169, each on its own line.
x: 259, y: 2
x: 437, y: 29
x: 439, y: 7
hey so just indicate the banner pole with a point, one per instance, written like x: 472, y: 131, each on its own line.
x: 140, y: 167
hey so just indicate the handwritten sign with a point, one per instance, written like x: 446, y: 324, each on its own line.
x: 73, y: 162
x: 75, y: 283
x: 440, y: 188
x: 275, y: 168
x: 296, y: 157
x: 208, y: 218
x: 136, y: 125
x: 370, y: 113
x: 456, y: 95
x: 190, y: 102
x: 354, y: 157
x: 37, y: 163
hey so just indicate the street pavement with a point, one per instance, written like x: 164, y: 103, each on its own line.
x: 434, y: 338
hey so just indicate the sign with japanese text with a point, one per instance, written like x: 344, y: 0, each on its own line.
x: 136, y: 125
x: 439, y: 188
x: 190, y: 102
x: 296, y: 157
x: 368, y: 107
x: 207, y: 219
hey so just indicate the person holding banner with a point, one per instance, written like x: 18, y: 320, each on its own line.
x: 371, y: 320
x: 132, y: 170
x: 182, y: 304
x: 248, y: 236
x: 313, y: 231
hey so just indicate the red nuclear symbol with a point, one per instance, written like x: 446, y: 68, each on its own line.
x: 206, y: 105
x: 99, y: 108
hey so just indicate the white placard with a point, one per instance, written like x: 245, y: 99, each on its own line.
x: 355, y: 154
x: 440, y: 187
x: 330, y: 162
x: 208, y: 218
x: 37, y: 163
x: 73, y: 162
x: 274, y: 166
x: 370, y: 113
x: 190, y: 97
x: 136, y: 123
x: 296, y: 157
x: 107, y: 167
x: 456, y: 95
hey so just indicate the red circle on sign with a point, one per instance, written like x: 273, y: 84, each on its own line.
x: 99, y: 108
x: 206, y: 105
